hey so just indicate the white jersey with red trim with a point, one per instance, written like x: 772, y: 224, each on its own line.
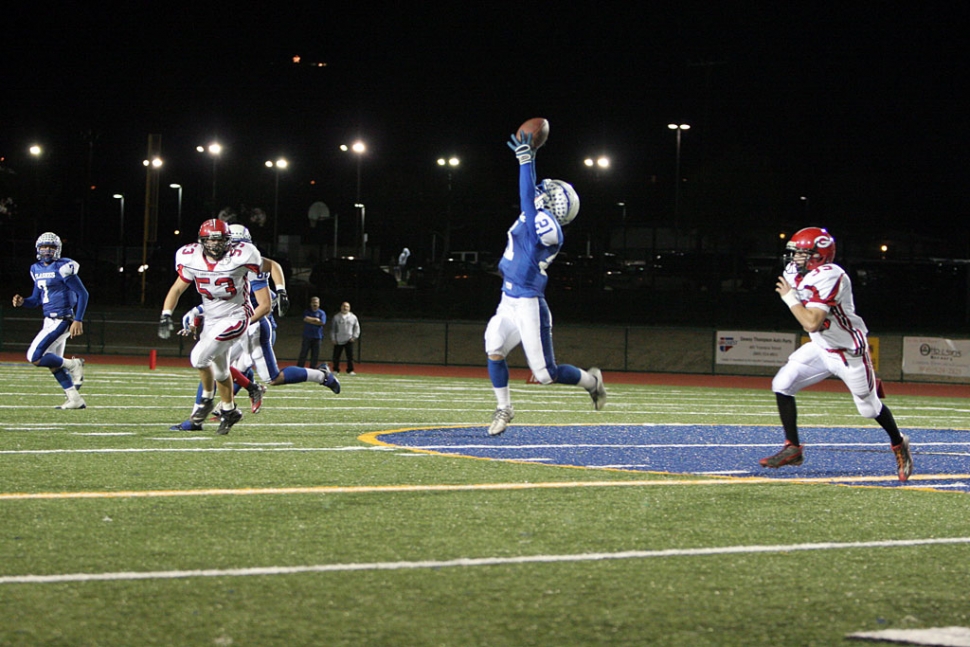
x: 224, y: 284
x: 828, y: 287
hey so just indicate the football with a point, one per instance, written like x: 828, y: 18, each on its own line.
x: 539, y: 128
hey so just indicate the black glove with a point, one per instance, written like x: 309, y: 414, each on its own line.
x: 165, y: 326
x: 282, y: 302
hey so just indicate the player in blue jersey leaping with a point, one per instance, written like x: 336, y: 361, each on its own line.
x: 522, y: 315
x: 59, y: 290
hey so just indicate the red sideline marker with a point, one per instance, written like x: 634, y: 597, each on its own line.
x: 152, y: 359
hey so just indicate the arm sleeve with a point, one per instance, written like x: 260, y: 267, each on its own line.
x: 527, y: 190
x: 34, y: 299
x: 74, y: 282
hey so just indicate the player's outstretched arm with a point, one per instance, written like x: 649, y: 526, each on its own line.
x: 521, y: 145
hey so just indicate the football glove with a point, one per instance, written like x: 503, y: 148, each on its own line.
x: 165, y: 326
x: 282, y: 302
x: 521, y: 144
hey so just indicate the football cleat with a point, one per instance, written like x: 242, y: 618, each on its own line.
x: 229, y: 418
x: 256, y: 392
x: 186, y: 425
x: 77, y: 373
x: 202, y: 412
x: 330, y: 380
x: 789, y: 455
x: 598, y: 392
x: 77, y: 402
x: 500, y: 421
x: 904, y: 460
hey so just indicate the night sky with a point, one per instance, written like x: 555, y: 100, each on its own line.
x: 857, y: 106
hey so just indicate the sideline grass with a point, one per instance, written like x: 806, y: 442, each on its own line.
x: 307, y: 437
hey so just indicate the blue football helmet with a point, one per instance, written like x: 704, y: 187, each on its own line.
x: 48, y: 240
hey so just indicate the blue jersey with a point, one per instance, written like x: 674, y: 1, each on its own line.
x: 58, y: 288
x: 262, y: 281
x: 313, y: 331
x: 533, y: 242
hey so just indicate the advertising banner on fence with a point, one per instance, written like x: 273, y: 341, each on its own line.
x: 936, y: 356
x: 742, y: 347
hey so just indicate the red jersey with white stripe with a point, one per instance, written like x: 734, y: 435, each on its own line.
x: 828, y: 287
x: 223, y: 284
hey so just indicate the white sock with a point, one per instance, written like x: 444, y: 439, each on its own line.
x: 313, y: 375
x: 586, y: 380
x: 503, y: 396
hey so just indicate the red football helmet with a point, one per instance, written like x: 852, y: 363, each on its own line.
x: 814, y: 241
x: 214, y: 236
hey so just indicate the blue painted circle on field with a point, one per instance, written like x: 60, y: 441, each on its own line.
x: 841, y: 454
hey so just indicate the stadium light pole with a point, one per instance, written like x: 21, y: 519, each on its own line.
x: 121, y: 222
x: 359, y: 148
x: 622, y: 206
x: 599, y: 166
x: 36, y: 151
x: 178, y: 221
x: 679, y: 128
x: 279, y: 165
x: 449, y: 164
x: 215, y: 150
x: 121, y: 229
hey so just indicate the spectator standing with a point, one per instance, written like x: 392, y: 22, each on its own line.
x: 344, y: 333
x: 400, y: 270
x: 314, y: 319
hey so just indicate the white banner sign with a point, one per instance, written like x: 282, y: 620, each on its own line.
x: 753, y: 348
x: 936, y: 356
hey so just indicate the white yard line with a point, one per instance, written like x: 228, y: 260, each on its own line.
x: 471, y: 562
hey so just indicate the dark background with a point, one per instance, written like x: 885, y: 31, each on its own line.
x: 850, y: 116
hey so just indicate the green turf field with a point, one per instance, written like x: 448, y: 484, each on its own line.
x: 291, y: 530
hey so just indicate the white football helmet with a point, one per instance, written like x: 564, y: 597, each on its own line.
x: 48, y: 239
x: 559, y: 199
x: 240, y: 233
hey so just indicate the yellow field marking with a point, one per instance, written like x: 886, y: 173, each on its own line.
x: 366, y: 489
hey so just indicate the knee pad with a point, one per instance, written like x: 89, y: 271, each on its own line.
x: 870, y: 406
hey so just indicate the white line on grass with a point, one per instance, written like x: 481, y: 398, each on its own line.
x: 470, y: 562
